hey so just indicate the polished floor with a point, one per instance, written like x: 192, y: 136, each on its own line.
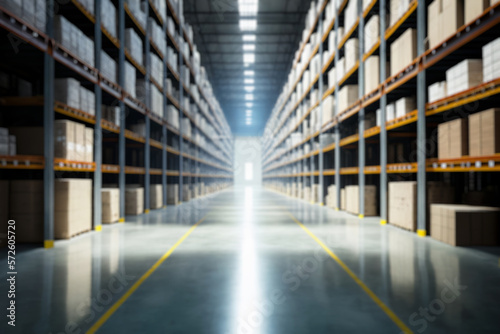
x: 250, y: 266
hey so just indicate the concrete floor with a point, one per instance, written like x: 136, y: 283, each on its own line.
x: 250, y: 268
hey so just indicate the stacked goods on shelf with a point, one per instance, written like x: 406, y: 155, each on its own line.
x: 328, y: 109
x: 73, y: 141
x: 74, y: 40
x: 134, y: 200
x: 437, y: 91
x: 343, y: 199
x: 7, y: 142
x: 348, y: 95
x: 467, y: 74
x: 453, y: 140
x: 88, y: 5
x: 307, y: 194
x: 172, y: 59
x: 186, y: 193
x: 136, y: 9
x: 351, y: 54
x: 26, y: 208
x: 133, y: 44
x: 108, y: 67
x: 372, y: 32
x: 70, y: 92
x: 139, y: 128
x: 331, y: 78
x: 111, y: 114
x: 157, y: 36
x: 72, y: 207
x: 351, y: 14
x: 160, y: 6
x: 33, y: 12
x: 390, y: 111
x: 372, y: 77
x: 403, y: 205
x: 474, y: 8
x: 403, y: 201
x: 331, y: 197
x: 156, y: 196
x: 186, y: 127
x: 445, y: 17
x: 156, y: 69
x: 108, y: 17
x: 156, y: 103
x: 403, y: 51
x: 398, y: 8
x: 110, y: 205
x: 405, y: 105
x: 130, y: 79
x: 463, y: 225
x: 484, y: 133
x: 491, y: 60
x: 352, y: 200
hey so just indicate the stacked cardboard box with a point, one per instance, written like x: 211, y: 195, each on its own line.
x: 372, y: 32
x: 352, y: 200
x: 186, y: 193
x: 372, y: 78
x: 453, y: 141
x: 173, y: 194
x: 26, y: 208
x: 484, y: 133
x: 130, y: 79
x: 348, y: 95
x: 438, y: 193
x: 74, y: 40
x: 331, y: 198
x: 351, y: 53
x: 463, y: 225
x: 437, y: 91
x: 73, y: 141
x: 343, y: 199
x: 108, y: 17
x: 491, y: 60
x: 111, y: 114
x: 307, y: 194
x: 156, y: 196
x: 134, y: 200
x: 133, y: 44
x: 8, y: 143
x: 398, y: 9
x: 403, y: 205
x: 328, y: 109
x: 403, y: 51
x: 467, y: 74
x: 474, y: 8
x: 30, y: 11
x: 445, y: 17
x: 110, y: 205
x: 404, y: 106
x: 72, y: 207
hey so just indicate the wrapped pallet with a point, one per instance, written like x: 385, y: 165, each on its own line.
x: 464, y: 225
x: 403, y: 205
x: 134, y: 201
x: 156, y: 196
x: 72, y: 207
x: 110, y: 205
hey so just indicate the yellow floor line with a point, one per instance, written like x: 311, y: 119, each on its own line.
x: 141, y: 280
x: 366, y: 289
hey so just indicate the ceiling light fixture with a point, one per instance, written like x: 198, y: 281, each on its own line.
x: 249, y: 58
x: 248, y: 25
x: 248, y: 7
x: 249, y: 81
x: 249, y: 97
x: 249, y: 73
x: 248, y: 47
x: 249, y: 89
x: 249, y: 38
x: 249, y: 104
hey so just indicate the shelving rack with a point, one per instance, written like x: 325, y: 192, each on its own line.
x: 335, y: 164
x: 158, y: 161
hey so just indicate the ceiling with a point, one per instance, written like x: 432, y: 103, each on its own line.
x: 220, y: 41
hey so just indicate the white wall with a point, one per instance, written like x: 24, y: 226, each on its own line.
x: 247, y: 150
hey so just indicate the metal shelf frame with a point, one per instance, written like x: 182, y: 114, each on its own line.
x: 213, y: 169
x: 415, y: 73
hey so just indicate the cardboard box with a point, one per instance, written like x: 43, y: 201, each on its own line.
x: 72, y: 207
x: 89, y: 145
x: 80, y: 144
x: 404, y: 106
x: 403, y: 205
x: 351, y: 53
x: 343, y: 199
x: 372, y: 78
x: 155, y: 196
x: 484, y: 129
x: 463, y: 225
x: 26, y: 208
x: 453, y: 141
x: 172, y: 194
x: 134, y: 201
x: 465, y: 75
x: 474, y: 8
x: 434, y: 25
x: 67, y: 91
x: 110, y: 205
x: 348, y: 95
x: 452, y: 16
x: 64, y: 141
x: 403, y: 51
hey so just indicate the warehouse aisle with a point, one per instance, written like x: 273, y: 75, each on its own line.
x: 249, y: 267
